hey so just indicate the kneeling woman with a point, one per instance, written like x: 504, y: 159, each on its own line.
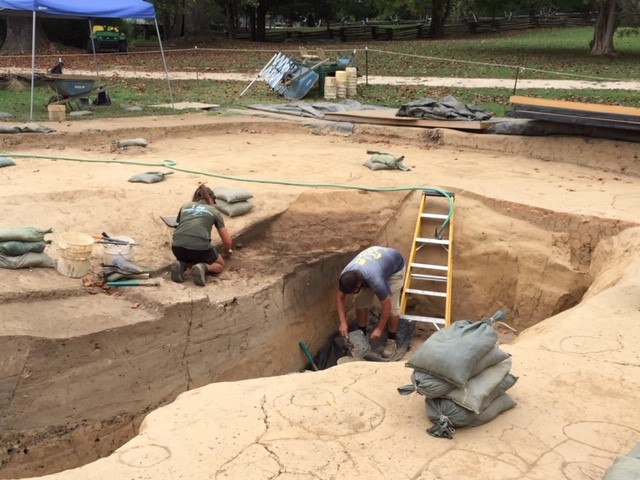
x: 191, y: 243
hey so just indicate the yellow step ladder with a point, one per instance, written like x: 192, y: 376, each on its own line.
x: 429, y: 269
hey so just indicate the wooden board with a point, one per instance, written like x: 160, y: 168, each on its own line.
x: 575, y: 119
x: 388, y: 117
x: 575, y: 106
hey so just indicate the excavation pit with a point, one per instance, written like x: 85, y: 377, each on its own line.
x: 82, y: 368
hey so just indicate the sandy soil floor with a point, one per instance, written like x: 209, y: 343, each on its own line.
x: 578, y: 370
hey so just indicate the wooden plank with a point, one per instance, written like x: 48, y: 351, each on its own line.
x: 575, y: 119
x: 577, y: 106
x: 388, y: 117
x: 578, y: 113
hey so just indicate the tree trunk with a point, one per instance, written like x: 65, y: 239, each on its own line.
x: 197, y: 24
x: 602, y: 42
x: 18, y: 41
x: 232, y: 18
x: 261, y: 20
x: 439, y: 15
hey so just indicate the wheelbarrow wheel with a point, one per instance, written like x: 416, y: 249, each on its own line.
x: 53, y: 99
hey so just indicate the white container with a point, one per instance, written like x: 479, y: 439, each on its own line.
x: 341, y: 84
x: 73, y: 268
x: 57, y: 113
x: 352, y: 81
x: 330, y: 88
x: 113, y: 251
x: 75, y: 249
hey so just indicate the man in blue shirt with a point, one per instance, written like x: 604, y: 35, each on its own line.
x: 380, y: 271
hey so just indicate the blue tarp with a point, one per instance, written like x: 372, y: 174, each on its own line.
x: 82, y: 8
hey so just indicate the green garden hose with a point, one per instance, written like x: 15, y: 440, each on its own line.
x: 171, y: 164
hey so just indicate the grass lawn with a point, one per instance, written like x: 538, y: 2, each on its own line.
x: 560, y: 53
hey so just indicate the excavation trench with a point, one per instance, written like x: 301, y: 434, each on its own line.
x: 70, y: 398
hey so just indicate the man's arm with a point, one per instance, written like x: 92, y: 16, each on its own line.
x: 384, y: 316
x: 342, y: 316
x: 227, y: 243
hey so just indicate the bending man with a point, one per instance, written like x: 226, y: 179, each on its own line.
x: 380, y: 271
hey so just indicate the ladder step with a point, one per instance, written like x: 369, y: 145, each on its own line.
x: 418, y: 318
x: 439, y: 216
x: 429, y: 266
x: 427, y: 293
x: 433, y: 278
x: 436, y: 241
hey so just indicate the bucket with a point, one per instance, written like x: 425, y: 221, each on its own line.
x: 341, y: 84
x: 113, y: 251
x: 73, y: 268
x: 352, y: 81
x: 75, y: 250
x: 330, y: 88
x: 57, y: 112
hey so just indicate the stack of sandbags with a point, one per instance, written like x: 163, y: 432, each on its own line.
x: 233, y: 201
x: 23, y: 247
x: 463, y: 375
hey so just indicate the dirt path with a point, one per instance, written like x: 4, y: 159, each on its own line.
x: 377, y: 80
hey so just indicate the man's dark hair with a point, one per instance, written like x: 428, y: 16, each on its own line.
x: 350, y: 281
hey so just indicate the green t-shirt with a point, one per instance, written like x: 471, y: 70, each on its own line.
x: 195, y: 222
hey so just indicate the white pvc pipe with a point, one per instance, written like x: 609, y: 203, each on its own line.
x: 164, y: 62
x: 33, y: 63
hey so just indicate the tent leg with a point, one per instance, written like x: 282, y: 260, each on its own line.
x: 93, y: 47
x: 33, y: 63
x: 164, y: 62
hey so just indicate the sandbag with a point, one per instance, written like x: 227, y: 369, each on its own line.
x: 427, y: 385
x: 451, y: 353
x: 503, y: 403
x: 232, y: 195
x: 130, y: 142
x: 627, y: 467
x: 149, y: 177
x: 6, y: 162
x: 433, y: 387
x: 443, y: 407
x: 23, y: 234
x: 13, y: 248
x: 479, y: 387
x: 507, y: 382
x: 28, y: 260
x: 234, y: 209
x: 385, y: 161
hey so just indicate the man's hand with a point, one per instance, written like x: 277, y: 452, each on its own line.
x: 343, y: 329
x: 376, y: 334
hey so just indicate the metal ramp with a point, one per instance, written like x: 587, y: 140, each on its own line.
x: 428, y: 279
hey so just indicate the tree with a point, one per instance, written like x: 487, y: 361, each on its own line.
x: 440, y: 10
x: 18, y: 40
x: 606, y: 25
x: 197, y: 21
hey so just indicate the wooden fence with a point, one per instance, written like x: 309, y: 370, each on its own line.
x: 389, y: 32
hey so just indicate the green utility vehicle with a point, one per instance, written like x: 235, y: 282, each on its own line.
x: 107, y: 38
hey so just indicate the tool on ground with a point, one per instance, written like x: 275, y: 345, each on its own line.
x: 307, y: 354
x: 106, y: 239
x: 132, y: 283
x: 429, y: 270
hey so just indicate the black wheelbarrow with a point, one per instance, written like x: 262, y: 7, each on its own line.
x: 71, y: 87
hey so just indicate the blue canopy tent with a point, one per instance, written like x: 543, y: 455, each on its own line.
x: 138, y: 9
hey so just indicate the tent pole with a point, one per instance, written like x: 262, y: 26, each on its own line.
x: 164, y: 61
x: 33, y: 62
x: 93, y: 47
